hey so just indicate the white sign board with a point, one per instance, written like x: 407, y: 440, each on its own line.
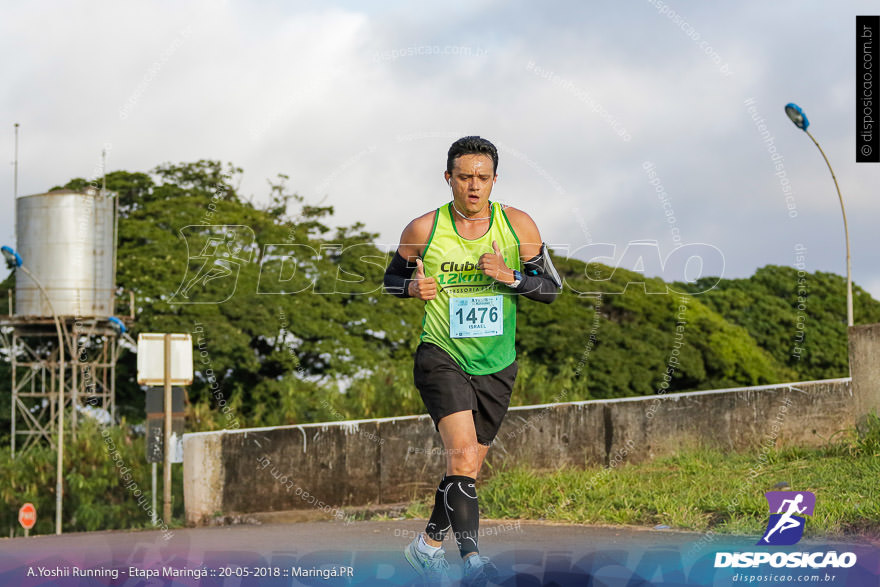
x: 176, y: 448
x: 151, y: 359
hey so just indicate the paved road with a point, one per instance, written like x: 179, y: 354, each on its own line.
x: 370, y: 553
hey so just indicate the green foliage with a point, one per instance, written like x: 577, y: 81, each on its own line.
x: 97, y: 496
x: 863, y: 440
x: 308, y: 334
x: 637, y: 342
x: 695, y: 490
x: 277, y: 359
x: 868, y: 436
x: 784, y: 310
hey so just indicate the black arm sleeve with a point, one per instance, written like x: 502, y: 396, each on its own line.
x: 397, y: 275
x: 535, y: 284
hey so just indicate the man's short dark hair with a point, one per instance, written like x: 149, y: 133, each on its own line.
x: 472, y: 146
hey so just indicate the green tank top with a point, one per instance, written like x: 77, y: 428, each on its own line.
x: 473, y: 317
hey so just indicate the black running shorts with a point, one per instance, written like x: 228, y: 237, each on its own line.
x: 445, y: 389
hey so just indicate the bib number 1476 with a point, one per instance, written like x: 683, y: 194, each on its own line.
x: 480, y: 316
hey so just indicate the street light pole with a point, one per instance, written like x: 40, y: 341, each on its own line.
x: 800, y: 120
x: 849, y: 296
x: 13, y: 260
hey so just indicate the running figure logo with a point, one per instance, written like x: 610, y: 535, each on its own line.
x: 215, y: 255
x: 786, y: 527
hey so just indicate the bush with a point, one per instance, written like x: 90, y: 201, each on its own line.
x: 97, y: 493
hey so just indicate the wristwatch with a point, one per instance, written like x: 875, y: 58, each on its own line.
x: 517, y: 278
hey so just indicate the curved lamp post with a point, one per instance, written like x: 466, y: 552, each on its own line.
x: 13, y: 261
x: 800, y: 120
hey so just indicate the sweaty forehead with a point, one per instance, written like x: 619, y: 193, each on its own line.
x: 476, y: 164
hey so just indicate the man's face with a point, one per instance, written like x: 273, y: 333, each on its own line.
x: 472, y: 179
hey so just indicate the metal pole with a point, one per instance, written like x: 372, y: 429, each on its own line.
x: 849, y: 296
x: 74, y: 384
x: 166, y: 488
x: 115, y: 244
x: 112, y: 403
x: 14, y: 353
x: 155, y: 513
x: 59, y: 465
x: 15, y: 166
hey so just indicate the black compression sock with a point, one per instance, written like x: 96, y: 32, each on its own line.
x: 438, y: 525
x: 460, y: 501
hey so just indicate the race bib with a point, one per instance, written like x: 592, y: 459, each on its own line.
x: 471, y: 317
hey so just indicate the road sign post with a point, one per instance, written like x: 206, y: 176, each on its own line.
x: 27, y: 517
x: 165, y: 359
x: 155, y: 444
x: 166, y: 481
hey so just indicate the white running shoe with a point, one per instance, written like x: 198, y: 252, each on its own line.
x: 433, y: 569
x: 478, y: 571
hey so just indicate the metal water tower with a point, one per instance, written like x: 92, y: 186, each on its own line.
x: 64, y: 298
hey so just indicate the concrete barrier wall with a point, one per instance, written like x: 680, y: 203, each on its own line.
x: 395, y: 459
x: 864, y: 366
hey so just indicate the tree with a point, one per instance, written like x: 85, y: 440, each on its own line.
x: 291, y: 324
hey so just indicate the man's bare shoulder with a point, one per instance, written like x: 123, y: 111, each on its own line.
x: 526, y: 230
x: 517, y: 215
x: 416, y: 234
x: 420, y: 228
x: 520, y: 220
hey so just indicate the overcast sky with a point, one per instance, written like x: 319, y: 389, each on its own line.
x: 358, y: 105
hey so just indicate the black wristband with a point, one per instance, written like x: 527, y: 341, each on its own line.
x: 540, y: 288
x: 396, y: 280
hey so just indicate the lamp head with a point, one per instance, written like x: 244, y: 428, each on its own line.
x: 797, y: 116
x: 13, y: 260
x: 117, y: 324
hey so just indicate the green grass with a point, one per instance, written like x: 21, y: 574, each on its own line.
x: 700, y: 490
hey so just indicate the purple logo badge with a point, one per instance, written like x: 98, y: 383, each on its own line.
x: 786, y: 525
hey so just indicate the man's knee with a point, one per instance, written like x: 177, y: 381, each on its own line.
x: 465, y: 461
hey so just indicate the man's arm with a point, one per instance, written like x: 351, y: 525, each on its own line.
x: 540, y: 281
x: 412, y: 243
x: 527, y: 231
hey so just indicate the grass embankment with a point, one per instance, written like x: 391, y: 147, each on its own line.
x: 700, y: 490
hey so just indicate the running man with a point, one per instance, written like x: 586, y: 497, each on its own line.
x: 472, y: 259
x: 786, y: 521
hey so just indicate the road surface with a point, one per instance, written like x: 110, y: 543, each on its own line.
x: 370, y: 553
